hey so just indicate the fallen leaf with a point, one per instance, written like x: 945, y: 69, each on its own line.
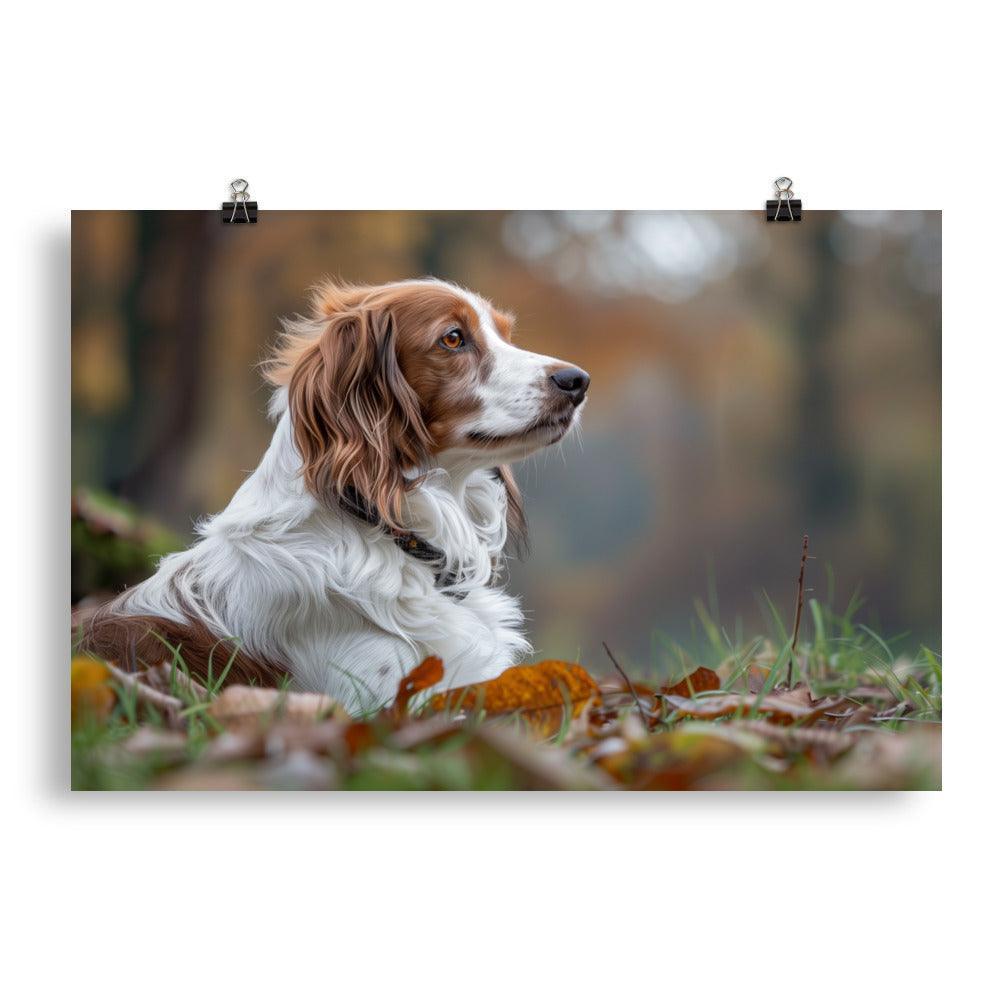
x: 679, y: 759
x: 155, y: 746
x: 820, y: 744
x: 323, y: 737
x: 702, y: 679
x: 316, y: 736
x: 359, y: 736
x: 541, y: 692
x: 540, y: 767
x: 617, y: 698
x: 150, y: 741
x: 599, y: 719
x: 209, y: 778
x: 421, y: 677
x: 242, y: 707
x: 91, y: 694
x: 756, y: 678
x: 298, y: 770
x: 422, y: 732
x: 896, y: 712
x: 229, y: 746
x: 608, y: 746
x: 795, y: 706
x: 893, y: 760
x: 752, y: 675
x: 856, y: 715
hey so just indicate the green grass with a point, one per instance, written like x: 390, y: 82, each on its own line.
x: 836, y: 654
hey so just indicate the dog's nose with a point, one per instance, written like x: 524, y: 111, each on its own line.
x: 573, y: 382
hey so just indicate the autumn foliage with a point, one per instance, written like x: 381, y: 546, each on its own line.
x: 543, y: 695
x: 548, y: 725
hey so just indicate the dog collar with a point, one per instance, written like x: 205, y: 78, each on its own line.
x: 412, y: 544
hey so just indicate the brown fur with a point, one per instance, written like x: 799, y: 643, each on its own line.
x: 371, y: 394
x: 517, y: 522
x: 504, y: 323
x: 356, y: 421
x: 137, y: 641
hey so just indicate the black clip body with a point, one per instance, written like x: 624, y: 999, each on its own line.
x: 784, y: 208
x: 240, y: 209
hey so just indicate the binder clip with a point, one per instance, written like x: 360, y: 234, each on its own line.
x: 784, y: 208
x: 240, y: 209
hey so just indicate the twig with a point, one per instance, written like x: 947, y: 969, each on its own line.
x: 143, y: 692
x: 184, y: 680
x: 798, y: 604
x: 635, y: 694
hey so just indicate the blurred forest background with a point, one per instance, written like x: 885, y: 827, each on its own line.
x: 750, y: 382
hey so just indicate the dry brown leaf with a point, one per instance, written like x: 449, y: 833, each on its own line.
x: 422, y: 732
x: 892, y: 760
x: 539, y: 767
x: 619, y: 694
x: 324, y: 737
x: 786, y: 706
x: 854, y: 715
x: 421, y: 677
x: 150, y: 741
x: 163, y: 748
x: 701, y: 679
x: 298, y: 770
x: 232, y: 746
x: 818, y: 743
x: 678, y: 759
x: 540, y: 691
x: 91, y: 694
x: 239, y: 777
x: 242, y: 707
x: 755, y: 679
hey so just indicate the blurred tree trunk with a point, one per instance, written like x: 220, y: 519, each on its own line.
x: 166, y: 321
x: 818, y: 460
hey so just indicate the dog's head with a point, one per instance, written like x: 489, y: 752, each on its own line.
x: 387, y: 381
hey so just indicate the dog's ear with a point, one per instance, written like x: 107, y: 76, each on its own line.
x: 355, y: 419
x: 517, y: 523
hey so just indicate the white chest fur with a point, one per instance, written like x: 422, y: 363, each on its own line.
x: 335, y: 600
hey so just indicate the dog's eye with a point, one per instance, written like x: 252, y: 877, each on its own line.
x: 453, y: 340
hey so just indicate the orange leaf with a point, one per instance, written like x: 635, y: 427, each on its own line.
x: 755, y: 678
x: 419, y: 678
x: 702, y: 679
x: 540, y: 691
x: 91, y: 695
x: 675, y: 760
x: 359, y: 736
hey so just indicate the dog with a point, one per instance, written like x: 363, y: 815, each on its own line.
x: 372, y: 533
